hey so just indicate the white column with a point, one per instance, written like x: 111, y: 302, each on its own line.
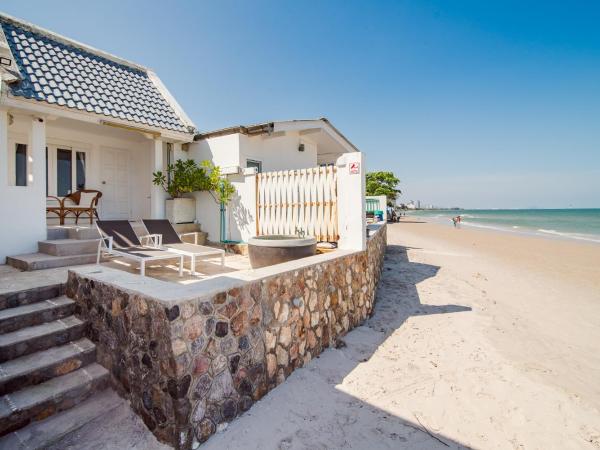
x: 3, y: 149
x: 351, y: 201
x: 158, y: 195
x: 37, y: 155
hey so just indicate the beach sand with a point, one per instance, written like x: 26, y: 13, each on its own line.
x: 479, y: 339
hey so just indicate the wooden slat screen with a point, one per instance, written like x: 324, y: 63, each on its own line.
x: 303, y: 199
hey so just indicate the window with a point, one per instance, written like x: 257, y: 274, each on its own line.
x: 66, y: 170
x: 20, y: 165
x: 254, y: 163
x: 64, y: 174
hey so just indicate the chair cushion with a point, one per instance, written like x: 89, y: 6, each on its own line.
x: 86, y: 199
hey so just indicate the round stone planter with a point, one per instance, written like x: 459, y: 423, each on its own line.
x: 269, y: 250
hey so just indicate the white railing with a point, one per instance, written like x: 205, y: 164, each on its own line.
x: 292, y: 200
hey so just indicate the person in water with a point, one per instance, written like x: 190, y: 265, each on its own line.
x: 456, y: 221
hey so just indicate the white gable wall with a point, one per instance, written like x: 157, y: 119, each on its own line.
x: 275, y: 152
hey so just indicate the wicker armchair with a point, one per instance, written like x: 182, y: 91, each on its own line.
x: 79, y: 203
x: 82, y: 203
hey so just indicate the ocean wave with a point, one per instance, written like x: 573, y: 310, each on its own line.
x: 580, y: 237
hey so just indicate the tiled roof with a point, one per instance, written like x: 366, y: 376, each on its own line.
x: 66, y: 75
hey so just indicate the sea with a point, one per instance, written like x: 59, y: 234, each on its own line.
x: 577, y: 224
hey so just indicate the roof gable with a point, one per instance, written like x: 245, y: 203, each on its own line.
x: 66, y: 75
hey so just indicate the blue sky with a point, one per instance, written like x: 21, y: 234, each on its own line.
x: 470, y: 103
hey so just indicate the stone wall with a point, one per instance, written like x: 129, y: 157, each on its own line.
x: 188, y: 366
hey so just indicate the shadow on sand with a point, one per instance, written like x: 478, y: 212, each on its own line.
x: 309, y: 410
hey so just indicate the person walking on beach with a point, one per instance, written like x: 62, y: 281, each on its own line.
x: 456, y: 221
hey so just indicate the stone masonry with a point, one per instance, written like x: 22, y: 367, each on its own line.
x: 189, y: 366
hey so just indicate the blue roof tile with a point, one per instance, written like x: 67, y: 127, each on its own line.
x: 76, y: 78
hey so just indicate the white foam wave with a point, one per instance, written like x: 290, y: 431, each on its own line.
x: 570, y: 235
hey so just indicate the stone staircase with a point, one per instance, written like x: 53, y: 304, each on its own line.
x: 46, y: 366
x: 64, y: 246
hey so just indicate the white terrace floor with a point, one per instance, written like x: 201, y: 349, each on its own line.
x: 12, y: 279
x: 205, y: 268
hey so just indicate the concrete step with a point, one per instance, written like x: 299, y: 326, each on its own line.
x: 13, y: 299
x: 40, y: 435
x: 13, y: 319
x: 39, y: 261
x: 58, y: 394
x: 68, y: 247
x: 40, y: 337
x: 41, y: 366
x: 56, y: 233
x: 83, y: 233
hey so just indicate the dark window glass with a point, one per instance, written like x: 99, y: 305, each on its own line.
x: 254, y: 163
x: 63, y: 172
x: 80, y: 169
x: 21, y: 165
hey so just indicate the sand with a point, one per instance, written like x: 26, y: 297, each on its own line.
x: 479, y: 339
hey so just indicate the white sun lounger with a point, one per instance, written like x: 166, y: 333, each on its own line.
x: 170, y: 240
x: 119, y: 239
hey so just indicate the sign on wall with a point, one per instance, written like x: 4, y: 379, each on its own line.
x: 354, y: 168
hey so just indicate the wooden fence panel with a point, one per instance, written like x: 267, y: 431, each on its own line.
x: 292, y: 200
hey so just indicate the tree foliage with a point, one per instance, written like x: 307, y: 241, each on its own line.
x: 188, y: 176
x: 383, y: 183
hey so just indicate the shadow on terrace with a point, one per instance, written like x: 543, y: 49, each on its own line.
x: 309, y: 410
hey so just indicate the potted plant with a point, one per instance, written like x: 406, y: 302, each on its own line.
x: 185, y: 177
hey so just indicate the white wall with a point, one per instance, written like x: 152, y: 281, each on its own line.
x: 24, y: 218
x: 96, y: 138
x: 276, y: 152
x: 352, y: 220
x: 23, y: 207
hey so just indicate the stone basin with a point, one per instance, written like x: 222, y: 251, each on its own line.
x: 275, y: 249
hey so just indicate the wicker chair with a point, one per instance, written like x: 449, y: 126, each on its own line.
x: 82, y: 203
x: 79, y: 203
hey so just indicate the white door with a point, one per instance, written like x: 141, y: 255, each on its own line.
x: 114, y: 179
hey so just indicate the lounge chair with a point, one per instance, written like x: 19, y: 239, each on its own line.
x: 171, y: 241
x: 119, y: 239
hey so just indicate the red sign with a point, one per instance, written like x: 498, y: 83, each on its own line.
x: 354, y: 168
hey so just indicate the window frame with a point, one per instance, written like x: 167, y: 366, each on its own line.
x: 254, y: 161
x: 51, y: 171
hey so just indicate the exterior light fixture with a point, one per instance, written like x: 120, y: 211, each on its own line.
x: 301, y: 148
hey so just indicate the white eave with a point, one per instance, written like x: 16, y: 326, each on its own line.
x: 43, y: 109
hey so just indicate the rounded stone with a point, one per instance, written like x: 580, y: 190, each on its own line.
x: 221, y: 329
x: 192, y: 328
x: 172, y: 313
x: 243, y: 343
x: 199, y: 411
x: 201, y: 365
x: 234, y: 362
x: 285, y: 336
x: 229, y: 409
x: 239, y: 323
x: 245, y: 403
x: 205, y: 308
x: 202, y: 386
x: 204, y: 429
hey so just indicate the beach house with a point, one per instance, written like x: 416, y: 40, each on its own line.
x: 188, y: 351
x: 243, y: 151
x: 75, y: 118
